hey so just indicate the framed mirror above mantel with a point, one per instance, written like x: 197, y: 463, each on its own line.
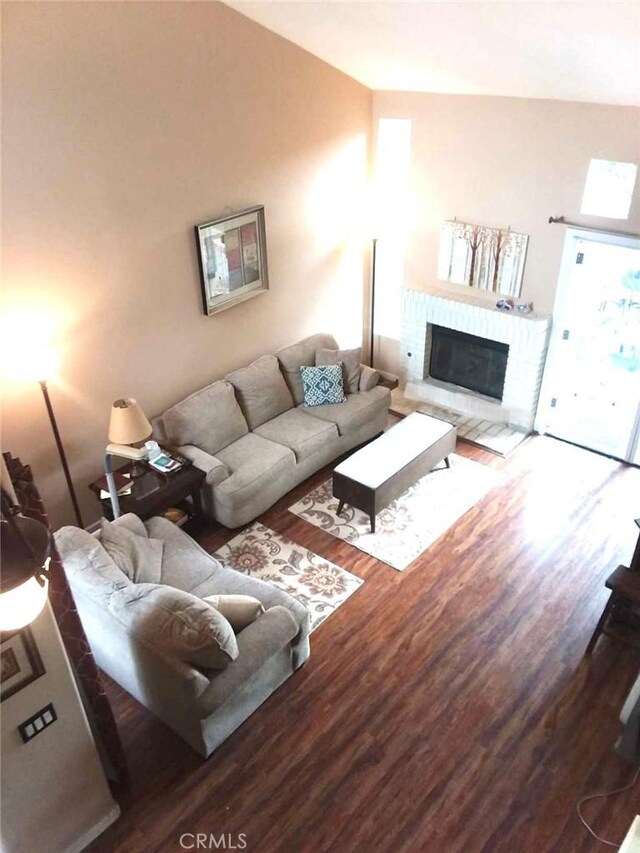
x: 489, y: 259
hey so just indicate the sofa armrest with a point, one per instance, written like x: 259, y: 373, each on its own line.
x: 369, y: 378
x: 259, y: 641
x: 215, y: 470
x: 233, y: 582
x: 389, y: 380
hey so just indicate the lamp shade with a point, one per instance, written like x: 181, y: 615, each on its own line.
x: 23, y: 603
x: 24, y: 551
x: 128, y: 424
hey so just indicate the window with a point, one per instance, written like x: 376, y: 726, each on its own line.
x: 609, y: 189
x: 391, y: 179
x: 390, y: 220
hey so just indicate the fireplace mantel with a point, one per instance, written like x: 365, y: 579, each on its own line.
x: 470, y: 296
x: 527, y: 336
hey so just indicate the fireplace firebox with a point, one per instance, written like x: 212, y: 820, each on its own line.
x: 478, y: 364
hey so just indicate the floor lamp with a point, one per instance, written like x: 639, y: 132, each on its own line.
x: 59, y: 445
x: 372, y: 299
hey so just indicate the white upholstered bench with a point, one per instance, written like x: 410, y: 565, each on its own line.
x: 379, y: 473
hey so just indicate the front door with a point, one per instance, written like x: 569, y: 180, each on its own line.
x: 591, y: 390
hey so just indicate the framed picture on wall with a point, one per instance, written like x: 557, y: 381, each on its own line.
x: 20, y: 661
x: 232, y: 253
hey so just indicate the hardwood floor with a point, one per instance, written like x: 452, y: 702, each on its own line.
x: 446, y: 708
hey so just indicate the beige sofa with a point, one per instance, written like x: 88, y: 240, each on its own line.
x: 254, y: 437
x: 202, y: 707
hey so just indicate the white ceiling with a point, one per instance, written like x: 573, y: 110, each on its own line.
x: 567, y: 50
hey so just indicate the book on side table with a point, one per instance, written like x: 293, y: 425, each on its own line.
x: 123, y: 485
x: 164, y: 463
x: 162, y: 460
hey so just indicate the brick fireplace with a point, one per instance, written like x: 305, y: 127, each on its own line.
x: 525, y: 335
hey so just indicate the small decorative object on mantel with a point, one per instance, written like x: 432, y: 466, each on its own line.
x: 524, y: 307
x: 490, y: 259
x: 232, y: 253
x: 504, y: 305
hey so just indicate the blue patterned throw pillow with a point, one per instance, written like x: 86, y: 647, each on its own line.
x: 322, y: 385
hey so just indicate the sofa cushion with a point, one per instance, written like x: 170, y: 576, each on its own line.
x: 253, y: 462
x: 261, y: 389
x: 87, y: 565
x: 303, y: 433
x: 211, y: 419
x: 369, y: 378
x: 185, y: 564
x: 354, y: 412
x: 238, y: 610
x: 293, y: 357
x: 231, y: 581
x: 176, y: 624
x: 351, y: 367
x: 322, y: 385
x: 139, y: 557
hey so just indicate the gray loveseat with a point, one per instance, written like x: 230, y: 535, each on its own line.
x: 254, y: 437
x: 203, y: 707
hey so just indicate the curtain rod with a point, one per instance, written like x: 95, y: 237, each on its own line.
x: 560, y: 220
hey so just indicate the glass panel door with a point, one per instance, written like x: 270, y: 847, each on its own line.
x: 592, y: 384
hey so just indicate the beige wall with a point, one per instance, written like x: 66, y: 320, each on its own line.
x: 54, y: 793
x: 501, y: 162
x: 124, y: 125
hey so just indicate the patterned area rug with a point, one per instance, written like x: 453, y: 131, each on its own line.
x: 262, y: 553
x: 412, y: 523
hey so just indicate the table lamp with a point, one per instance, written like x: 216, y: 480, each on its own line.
x: 128, y: 423
x: 128, y: 429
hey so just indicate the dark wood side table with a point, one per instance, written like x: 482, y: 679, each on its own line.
x: 152, y: 493
x: 624, y: 584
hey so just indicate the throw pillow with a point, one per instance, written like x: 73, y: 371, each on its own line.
x: 322, y: 385
x: 139, y: 557
x: 133, y: 523
x: 176, y: 624
x: 292, y: 358
x: 261, y: 390
x: 238, y: 610
x: 351, y: 367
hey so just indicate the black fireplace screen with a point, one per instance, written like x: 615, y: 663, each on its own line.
x: 475, y: 363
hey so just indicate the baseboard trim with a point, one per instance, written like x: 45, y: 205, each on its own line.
x: 96, y: 830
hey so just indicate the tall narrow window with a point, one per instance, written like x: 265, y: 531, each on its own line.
x: 609, y: 189
x: 391, y: 218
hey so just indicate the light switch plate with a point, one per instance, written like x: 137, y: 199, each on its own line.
x: 37, y: 723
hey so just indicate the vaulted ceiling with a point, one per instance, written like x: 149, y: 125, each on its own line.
x: 564, y: 50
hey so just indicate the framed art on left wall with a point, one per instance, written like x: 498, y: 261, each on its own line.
x: 20, y: 661
x: 232, y: 254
